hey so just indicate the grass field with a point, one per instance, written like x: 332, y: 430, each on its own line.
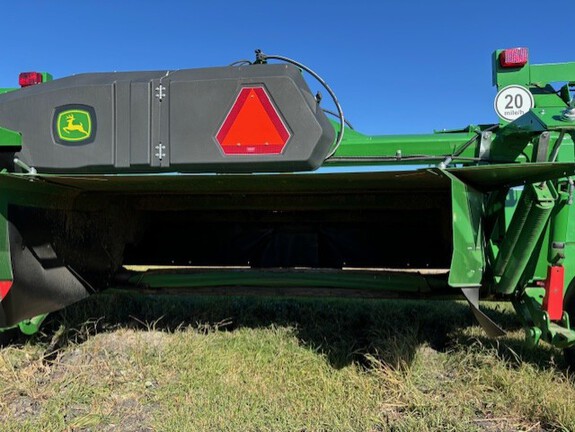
x: 132, y: 363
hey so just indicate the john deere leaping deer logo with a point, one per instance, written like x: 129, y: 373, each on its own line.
x: 74, y: 125
x: 71, y: 127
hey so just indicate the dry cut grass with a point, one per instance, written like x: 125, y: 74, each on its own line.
x: 279, y: 365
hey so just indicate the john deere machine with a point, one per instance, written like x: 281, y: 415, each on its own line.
x: 235, y: 177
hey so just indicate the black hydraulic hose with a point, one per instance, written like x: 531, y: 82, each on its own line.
x: 333, y: 113
x: 262, y: 58
x: 241, y: 63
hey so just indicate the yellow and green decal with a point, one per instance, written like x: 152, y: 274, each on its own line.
x: 74, y: 124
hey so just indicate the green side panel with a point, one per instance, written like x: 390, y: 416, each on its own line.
x: 10, y: 138
x: 467, y: 263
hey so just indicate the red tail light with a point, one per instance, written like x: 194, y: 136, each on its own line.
x: 514, y: 57
x: 26, y: 79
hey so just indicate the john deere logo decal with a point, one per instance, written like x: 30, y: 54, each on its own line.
x: 74, y: 124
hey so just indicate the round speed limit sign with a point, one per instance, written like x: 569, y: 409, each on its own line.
x: 512, y: 102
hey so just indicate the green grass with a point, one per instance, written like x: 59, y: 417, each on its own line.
x: 129, y: 363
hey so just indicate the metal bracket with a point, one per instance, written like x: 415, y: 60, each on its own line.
x: 538, y: 325
x: 543, y: 147
x: 160, y: 92
x: 485, y: 145
x: 29, y: 170
x: 160, y: 154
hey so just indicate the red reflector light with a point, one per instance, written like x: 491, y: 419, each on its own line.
x: 553, y: 300
x: 513, y: 57
x: 26, y: 79
x: 4, y: 288
x: 253, y: 125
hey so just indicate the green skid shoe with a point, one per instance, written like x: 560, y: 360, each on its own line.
x: 28, y: 327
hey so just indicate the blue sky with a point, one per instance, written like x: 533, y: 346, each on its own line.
x: 396, y: 66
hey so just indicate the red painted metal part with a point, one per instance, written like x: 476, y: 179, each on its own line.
x: 4, y: 288
x: 553, y: 300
